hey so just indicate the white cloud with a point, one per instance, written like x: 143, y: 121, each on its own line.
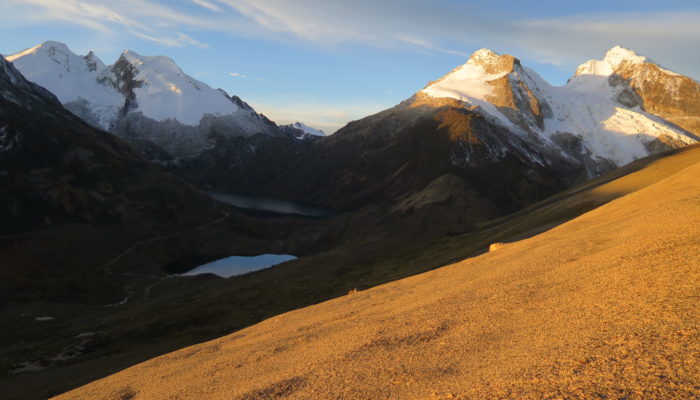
x: 430, y: 46
x: 148, y: 20
x: 670, y: 38
x: 452, y: 28
x: 381, y: 23
x: 209, y: 6
x: 237, y: 75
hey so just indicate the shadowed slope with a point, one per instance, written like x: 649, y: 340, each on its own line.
x: 77, y: 203
x: 604, y: 305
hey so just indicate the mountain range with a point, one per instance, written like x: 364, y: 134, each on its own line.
x: 486, y: 139
x: 607, y: 115
x: 110, y: 175
x: 147, y: 100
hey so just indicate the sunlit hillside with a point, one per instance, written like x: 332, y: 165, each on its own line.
x: 605, y: 305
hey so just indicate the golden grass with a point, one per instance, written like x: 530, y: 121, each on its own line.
x: 603, y: 306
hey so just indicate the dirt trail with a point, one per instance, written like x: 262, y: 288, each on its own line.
x: 107, y: 266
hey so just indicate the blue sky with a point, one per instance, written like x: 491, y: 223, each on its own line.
x: 326, y: 62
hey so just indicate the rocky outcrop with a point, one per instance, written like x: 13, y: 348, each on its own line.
x: 673, y: 97
x: 510, y: 92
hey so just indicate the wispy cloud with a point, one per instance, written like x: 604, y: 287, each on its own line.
x: 237, y: 75
x: 208, y: 5
x: 670, y: 37
x: 449, y: 28
x: 380, y: 23
x: 148, y: 20
x: 430, y: 46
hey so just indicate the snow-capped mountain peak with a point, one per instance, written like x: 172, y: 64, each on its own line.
x: 492, y: 82
x: 308, y: 129
x: 470, y: 82
x: 618, y: 54
x: 76, y: 81
x: 616, y: 59
x: 163, y: 90
x: 302, y: 131
x: 148, y: 99
x: 93, y: 62
x: 597, y: 117
x: 59, y: 54
x: 483, y: 56
x: 50, y: 48
x: 492, y: 62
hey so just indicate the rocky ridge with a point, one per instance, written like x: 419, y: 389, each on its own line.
x: 147, y: 100
x: 599, y: 118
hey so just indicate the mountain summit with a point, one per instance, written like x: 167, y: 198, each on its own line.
x: 601, y: 117
x: 148, y: 100
x: 613, y: 59
x: 657, y: 90
x: 302, y: 131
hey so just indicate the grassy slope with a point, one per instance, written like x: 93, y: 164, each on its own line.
x: 602, y: 306
x: 180, y: 312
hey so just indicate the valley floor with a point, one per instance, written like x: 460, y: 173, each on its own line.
x: 603, y: 306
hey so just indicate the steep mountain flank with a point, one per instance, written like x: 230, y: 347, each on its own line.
x: 72, y: 198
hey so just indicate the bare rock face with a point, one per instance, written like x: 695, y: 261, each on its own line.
x: 673, y: 97
x: 500, y: 81
x: 511, y: 94
x: 626, y: 96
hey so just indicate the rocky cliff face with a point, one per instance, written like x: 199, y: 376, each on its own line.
x: 658, y: 91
